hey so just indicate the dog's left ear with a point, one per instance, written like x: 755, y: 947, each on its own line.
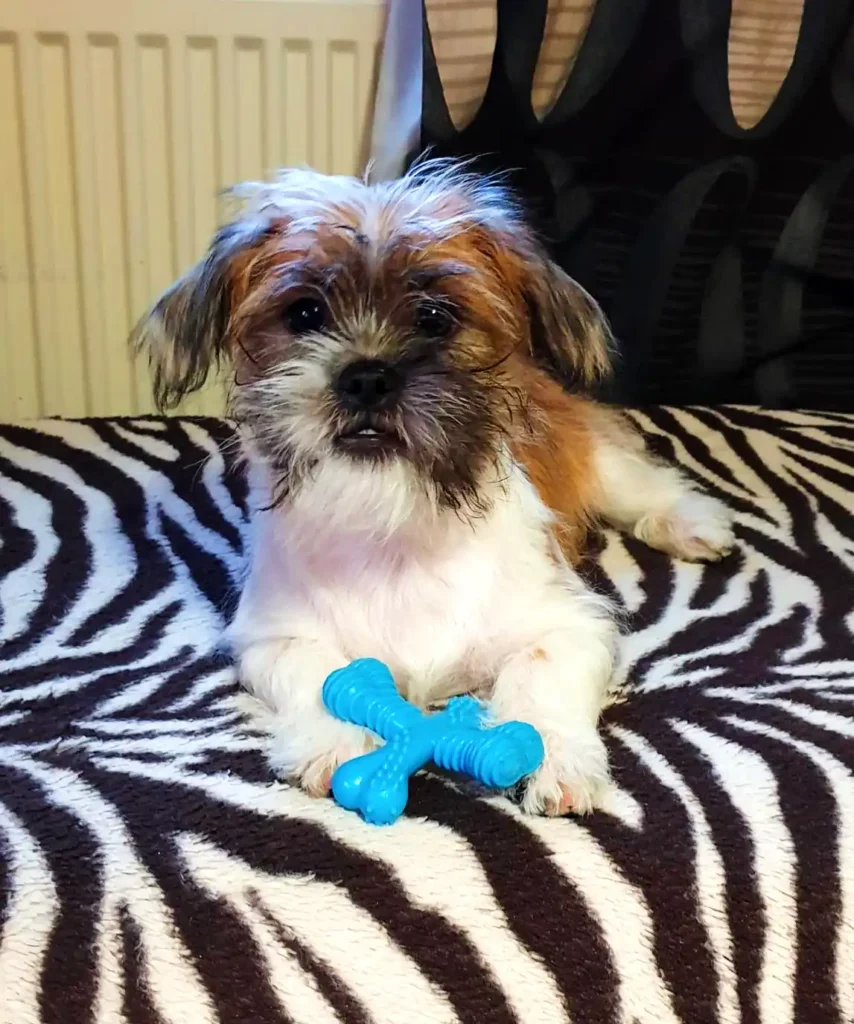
x: 568, y: 329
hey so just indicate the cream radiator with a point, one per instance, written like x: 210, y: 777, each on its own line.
x: 119, y: 123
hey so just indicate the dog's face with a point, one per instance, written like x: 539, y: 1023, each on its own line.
x: 366, y: 325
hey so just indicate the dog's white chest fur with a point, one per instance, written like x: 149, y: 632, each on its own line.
x: 441, y: 601
x: 424, y: 613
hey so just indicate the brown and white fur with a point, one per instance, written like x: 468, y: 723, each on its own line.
x: 421, y: 481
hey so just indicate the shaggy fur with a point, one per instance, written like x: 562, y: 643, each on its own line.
x: 422, y: 482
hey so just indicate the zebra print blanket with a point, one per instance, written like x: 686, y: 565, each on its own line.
x: 151, y: 872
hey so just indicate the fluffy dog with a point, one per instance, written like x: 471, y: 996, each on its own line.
x: 422, y: 476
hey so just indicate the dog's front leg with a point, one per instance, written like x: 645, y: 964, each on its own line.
x: 558, y: 684
x: 307, y: 743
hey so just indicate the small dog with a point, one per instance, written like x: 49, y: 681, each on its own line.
x: 422, y: 482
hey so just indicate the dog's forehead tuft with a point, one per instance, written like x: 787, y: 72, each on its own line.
x: 435, y: 199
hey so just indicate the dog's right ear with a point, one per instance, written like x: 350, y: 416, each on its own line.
x: 186, y: 331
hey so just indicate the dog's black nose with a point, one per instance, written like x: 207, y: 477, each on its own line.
x: 369, y: 384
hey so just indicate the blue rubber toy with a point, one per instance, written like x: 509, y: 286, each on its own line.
x: 377, y: 784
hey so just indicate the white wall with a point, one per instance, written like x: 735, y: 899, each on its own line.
x: 119, y: 122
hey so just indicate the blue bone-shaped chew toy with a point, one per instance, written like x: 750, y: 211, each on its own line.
x: 377, y: 784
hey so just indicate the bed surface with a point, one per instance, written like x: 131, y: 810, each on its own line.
x: 151, y: 871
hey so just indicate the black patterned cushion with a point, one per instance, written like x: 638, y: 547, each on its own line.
x: 723, y: 255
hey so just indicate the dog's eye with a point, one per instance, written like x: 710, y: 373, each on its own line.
x: 433, y: 320
x: 305, y: 316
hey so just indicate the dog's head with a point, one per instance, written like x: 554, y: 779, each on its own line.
x: 375, y: 324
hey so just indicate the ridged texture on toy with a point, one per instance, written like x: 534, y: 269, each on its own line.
x: 497, y: 757
x: 364, y: 693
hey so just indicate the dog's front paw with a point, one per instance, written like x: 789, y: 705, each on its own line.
x: 573, y: 778
x: 313, y: 772
x: 697, y: 528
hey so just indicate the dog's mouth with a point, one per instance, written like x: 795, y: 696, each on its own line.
x: 370, y: 438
